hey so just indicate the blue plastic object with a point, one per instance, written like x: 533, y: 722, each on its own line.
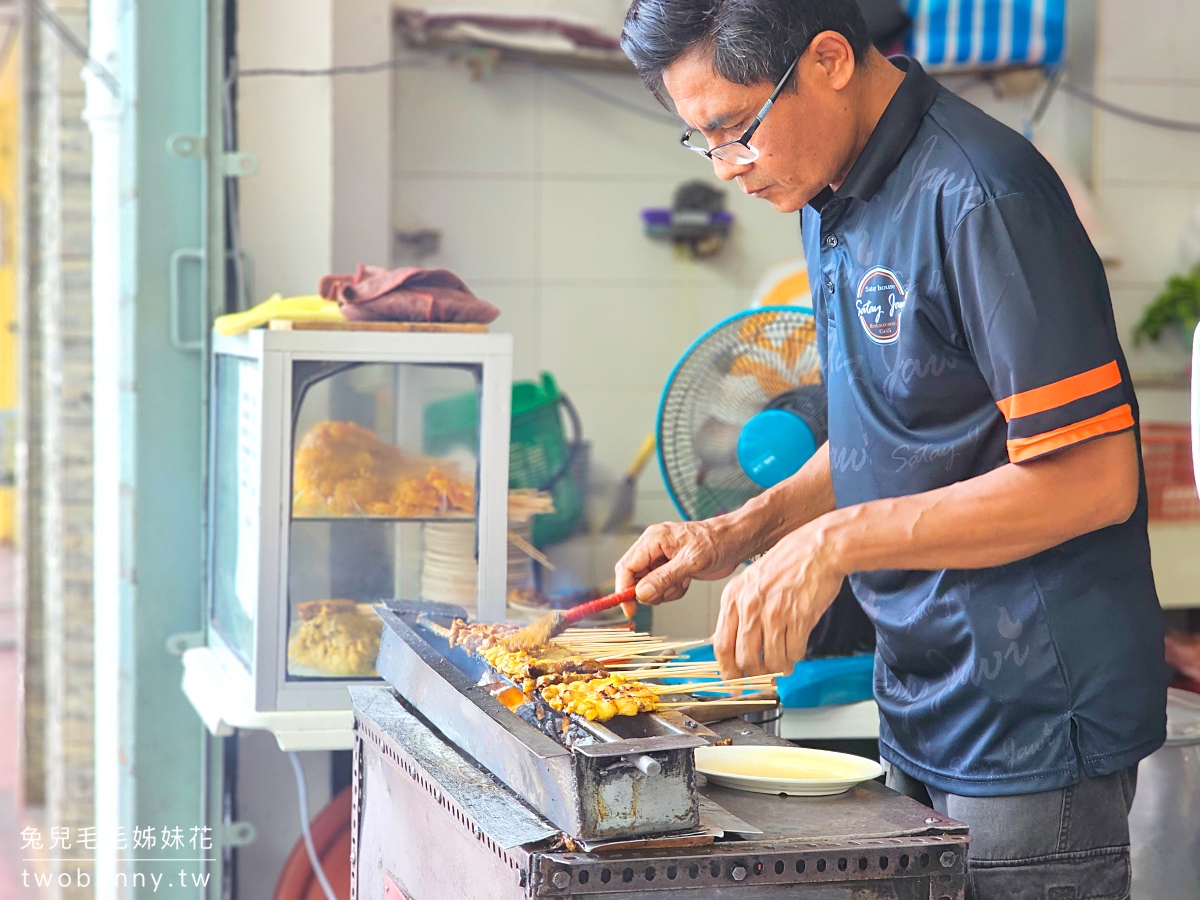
x: 774, y: 445
x: 817, y: 682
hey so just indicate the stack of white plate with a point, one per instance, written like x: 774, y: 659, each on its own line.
x: 450, y: 572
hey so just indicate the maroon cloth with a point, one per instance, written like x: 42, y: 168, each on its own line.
x: 406, y: 295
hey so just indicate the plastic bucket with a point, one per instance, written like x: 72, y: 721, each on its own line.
x: 540, y: 455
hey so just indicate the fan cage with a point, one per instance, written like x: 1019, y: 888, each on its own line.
x: 703, y: 392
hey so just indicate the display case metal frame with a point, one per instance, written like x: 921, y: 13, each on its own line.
x: 263, y: 678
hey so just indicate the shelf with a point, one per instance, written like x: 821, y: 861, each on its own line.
x: 222, y: 710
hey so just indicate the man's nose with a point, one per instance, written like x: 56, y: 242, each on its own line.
x: 727, y: 171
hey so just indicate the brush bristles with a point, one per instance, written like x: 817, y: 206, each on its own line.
x: 535, y: 636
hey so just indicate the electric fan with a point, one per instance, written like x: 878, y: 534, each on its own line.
x: 743, y: 409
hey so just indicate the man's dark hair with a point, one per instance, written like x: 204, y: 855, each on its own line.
x: 752, y: 41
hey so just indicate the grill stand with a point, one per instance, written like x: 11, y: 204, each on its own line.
x: 439, y: 827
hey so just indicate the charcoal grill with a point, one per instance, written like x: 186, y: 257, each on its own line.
x: 632, y: 776
x: 457, y: 797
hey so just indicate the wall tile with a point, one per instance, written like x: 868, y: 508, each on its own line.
x: 762, y: 237
x: 607, y: 550
x: 572, y: 559
x: 489, y: 226
x: 1146, y: 223
x: 449, y: 122
x: 593, y: 231
x: 1159, y: 405
x: 1128, y: 150
x: 583, y: 135
x: 714, y: 601
x: 613, y: 336
x: 614, y: 423
x: 655, y: 506
x: 519, y: 316
x: 1148, y: 40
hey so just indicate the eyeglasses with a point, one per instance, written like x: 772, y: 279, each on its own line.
x: 739, y: 152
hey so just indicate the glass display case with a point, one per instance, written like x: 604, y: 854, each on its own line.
x: 323, y: 501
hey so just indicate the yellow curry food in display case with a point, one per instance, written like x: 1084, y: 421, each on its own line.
x: 343, y: 469
x: 335, y: 637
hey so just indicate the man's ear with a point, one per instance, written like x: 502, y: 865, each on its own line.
x: 833, y: 57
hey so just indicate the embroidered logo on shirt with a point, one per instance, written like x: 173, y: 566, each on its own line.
x: 880, y: 301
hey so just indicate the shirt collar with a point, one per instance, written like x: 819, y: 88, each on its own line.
x: 892, y: 135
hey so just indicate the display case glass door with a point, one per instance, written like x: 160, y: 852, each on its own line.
x: 371, y: 512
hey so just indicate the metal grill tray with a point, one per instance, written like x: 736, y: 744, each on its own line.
x: 639, y: 780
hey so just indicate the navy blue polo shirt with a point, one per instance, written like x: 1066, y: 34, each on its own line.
x: 964, y: 323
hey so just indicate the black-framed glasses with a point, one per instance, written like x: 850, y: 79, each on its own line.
x: 739, y: 152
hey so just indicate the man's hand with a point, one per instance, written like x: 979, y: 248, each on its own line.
x: 667, y: 557
x: 769, y: 609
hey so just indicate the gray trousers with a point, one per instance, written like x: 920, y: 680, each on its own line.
x: 1066, y: 844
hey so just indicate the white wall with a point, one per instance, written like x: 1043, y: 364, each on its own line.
x: 319, y: 202
x: 1148, y: 179
x: 286, y: 209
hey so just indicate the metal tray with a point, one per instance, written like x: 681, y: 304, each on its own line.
x: 636, y: 777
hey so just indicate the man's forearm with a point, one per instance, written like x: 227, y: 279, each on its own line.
x: 1007, y: 514
x: 791, y: 504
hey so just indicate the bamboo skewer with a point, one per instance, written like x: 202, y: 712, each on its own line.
x: 678, y: 704
x: 710, y: 686
x: 529, y: 550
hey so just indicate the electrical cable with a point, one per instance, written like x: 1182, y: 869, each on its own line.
x: 77, y: 46
x: 1125, y: 112
x: 583, y: 87
x: 302, y: 791
x: 1056, y: 80
x: 401, y: 62
x: 396, y: 62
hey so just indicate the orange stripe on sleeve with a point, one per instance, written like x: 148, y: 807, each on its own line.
x: 1060, y: 393
x: 1119, y: 419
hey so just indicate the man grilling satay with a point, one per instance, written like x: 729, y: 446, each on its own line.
x: 981, y: 485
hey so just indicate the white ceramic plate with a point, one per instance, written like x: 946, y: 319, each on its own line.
x: 797, y: 771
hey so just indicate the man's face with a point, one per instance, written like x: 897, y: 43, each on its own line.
x: 803, y: 142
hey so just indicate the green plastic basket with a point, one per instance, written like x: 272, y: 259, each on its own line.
x: 540, y: 456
